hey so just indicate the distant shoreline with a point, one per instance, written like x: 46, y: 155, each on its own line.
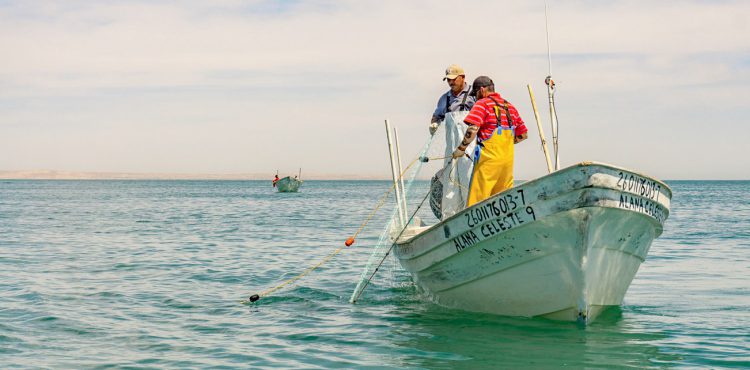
x: 70, y: 175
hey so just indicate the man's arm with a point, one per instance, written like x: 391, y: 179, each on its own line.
x: 433, y: 125
x: 520, y: 129
x: 469, y: 136
x: 439, y: 114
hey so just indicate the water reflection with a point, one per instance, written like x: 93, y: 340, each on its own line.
x: 436, y: 337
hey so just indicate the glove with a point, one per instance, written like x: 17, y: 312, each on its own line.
x: 433, y: 127
x: 458, y: 153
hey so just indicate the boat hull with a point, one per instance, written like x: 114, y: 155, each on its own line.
x: 563, y: 246
x: 288, y: 185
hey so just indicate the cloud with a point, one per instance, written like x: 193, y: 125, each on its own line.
x: 308, y: 83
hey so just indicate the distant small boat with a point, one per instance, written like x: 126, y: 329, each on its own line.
x: 289, y: 184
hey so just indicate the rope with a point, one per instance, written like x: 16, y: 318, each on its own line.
x: 455, y: 180
x: 349, y: 242
x: 300, y: 276
x: 383, y: 199
x: 385, y: 196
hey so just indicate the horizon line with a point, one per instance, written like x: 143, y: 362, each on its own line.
x: 249, y: 176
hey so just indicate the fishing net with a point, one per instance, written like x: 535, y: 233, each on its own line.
x: 449, y: 186
x: 447, y: 190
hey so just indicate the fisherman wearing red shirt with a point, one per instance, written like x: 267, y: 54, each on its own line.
x: 493, y: 156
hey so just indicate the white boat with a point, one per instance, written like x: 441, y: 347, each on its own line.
x: 563, y: 246
x: 288, y: 184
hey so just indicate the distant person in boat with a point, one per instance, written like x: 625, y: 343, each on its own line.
x: 454, y: 100
x: 493, y: 155
x: 275, y: 180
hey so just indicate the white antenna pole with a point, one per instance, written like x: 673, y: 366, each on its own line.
x: 400, y: 175
x: 549, y: 53
x: 550, y: 94
x: 393, y: 173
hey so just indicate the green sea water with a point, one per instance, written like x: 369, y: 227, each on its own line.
x: 150, y: 274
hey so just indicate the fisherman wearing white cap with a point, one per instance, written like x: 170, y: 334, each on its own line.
x: 454, y: 100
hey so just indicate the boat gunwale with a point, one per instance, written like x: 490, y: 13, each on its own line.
x: 538, y: 180
x: 658, y: 227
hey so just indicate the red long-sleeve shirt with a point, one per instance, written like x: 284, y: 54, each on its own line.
x: 483, y: 115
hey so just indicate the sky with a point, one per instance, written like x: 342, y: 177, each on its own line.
x: 221, y: 87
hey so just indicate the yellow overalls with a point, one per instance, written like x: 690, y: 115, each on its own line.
x: 493, y: 162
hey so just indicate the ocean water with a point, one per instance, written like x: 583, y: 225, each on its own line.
x: 150, y: 274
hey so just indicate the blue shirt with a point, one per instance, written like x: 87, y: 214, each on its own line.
x: 449, y: 103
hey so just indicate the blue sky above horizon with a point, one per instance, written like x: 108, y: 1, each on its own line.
x: 256, y: 86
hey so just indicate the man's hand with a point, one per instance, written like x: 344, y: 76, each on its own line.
x: 433, y: 127
x: 458, y: 153
x: 520, y: 138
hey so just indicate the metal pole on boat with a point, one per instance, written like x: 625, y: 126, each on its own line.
x: 553, y: 118
x: 393, y: 172
x: 299, y: 177
x: 541, y: 132
x: 400, y: 174
x: 551, y: 92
